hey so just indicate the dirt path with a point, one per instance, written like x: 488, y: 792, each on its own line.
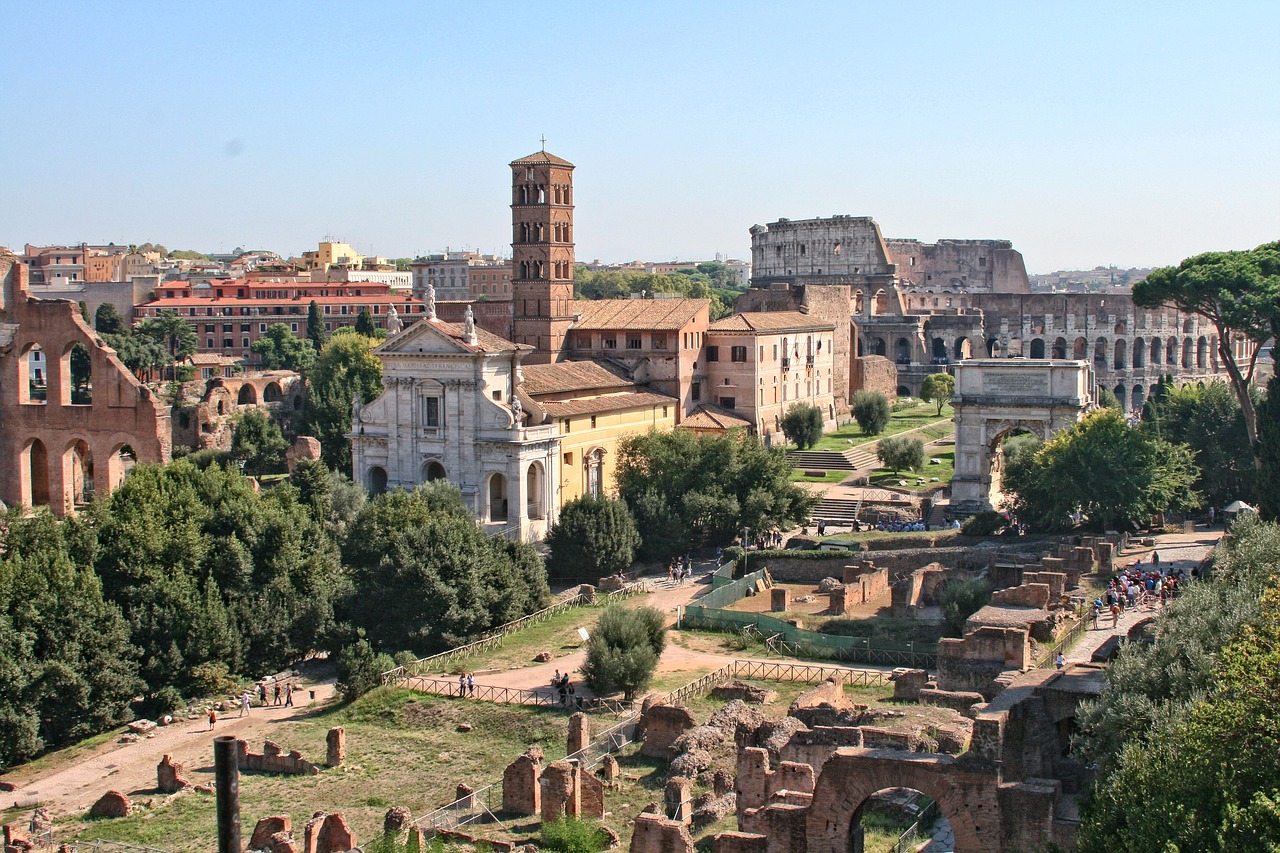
x: 131, y: 767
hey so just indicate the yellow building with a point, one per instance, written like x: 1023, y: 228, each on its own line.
x: 594, y: 409
x: 331, y: 254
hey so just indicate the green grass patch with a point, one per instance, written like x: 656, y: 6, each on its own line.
x: 829, y: 477
x: 851, y: 435
x: 944, y: 471
x: 558, y: 635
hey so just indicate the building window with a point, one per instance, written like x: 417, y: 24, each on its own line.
x: 610, y: 343
x: 695, y: 391
x: 244, y: 342
x: 633, y: 342
x: 226, y: 327
x: 227, y: 343
x: 262, y: 327
x: 739, y: 354
x: 564, y: 425
x: 713, y: 353
x: 244, y: 327
x: 568, y: 459
x: 593, y: 421
x: 208, y: 343
x: 728, y: 402
x: 293, y: 327
x: 431, y: 412
x: 664, y: 411
x: 659, y: 341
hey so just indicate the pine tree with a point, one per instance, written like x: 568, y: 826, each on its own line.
x: 315, y: 326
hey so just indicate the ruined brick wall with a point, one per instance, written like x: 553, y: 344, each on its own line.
x: 273, y: 759
x: 975, y: 266
x: 874, y: 373
x: 56, y: 450
x: 973, y: 663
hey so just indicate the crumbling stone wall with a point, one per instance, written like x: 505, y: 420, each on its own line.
x: 974, y: 662
x: 653, y: 833
x: 521, y: 793
x: 874, y: 373
x: 54, y: 450
x: 663, y: 725
x: 273, y: 759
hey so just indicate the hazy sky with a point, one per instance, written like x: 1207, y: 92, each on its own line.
x: 1087, y: 133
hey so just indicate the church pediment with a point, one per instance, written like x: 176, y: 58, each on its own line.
x: 426, y: 336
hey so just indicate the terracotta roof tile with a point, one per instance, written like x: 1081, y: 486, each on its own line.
x: 711, y: 416
x: 638, y: 314
x: 542, y: 158
x: 769, y: 321
x: 606, y: 403
x: 570, y: 376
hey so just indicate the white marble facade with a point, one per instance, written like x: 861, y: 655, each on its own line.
x: 449, y: 410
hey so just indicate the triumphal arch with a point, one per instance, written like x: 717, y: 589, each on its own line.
x: 999, y: 396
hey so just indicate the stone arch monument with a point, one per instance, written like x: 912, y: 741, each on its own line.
x: 996, y: 396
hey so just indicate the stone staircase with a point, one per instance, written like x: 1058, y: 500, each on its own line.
x: 837, y: 511
x: 820, y: 460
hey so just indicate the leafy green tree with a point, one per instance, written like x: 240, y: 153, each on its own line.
x: 425, y: 577
x: 315, y: 327
x: 258, y: 443
x: 365, y: 324
x: 171, y: 332
x: 1187, y: 732
x: 280, y: 349
x: 938, y: 388
x: 687, y: 490
x: 594, y: 537
x: 802, y: 425
x: 1208, y: 420
x: 344, y: 371
x: 1269, y: 451
x: 1105, y: 469
x: 189, y: 255
x: 624, y: 649
x: 67, y: 669
x: 986, y: 523
x: 900, y: 452
x: 141, y: 354
x: 871, y: 411
x: 360, y: 669
x: 346, y: 499
x: 1107, y: 399
x: 81, y: 373
x: 107, y: 320
x: 1239, y: 293
x: 960, y: 599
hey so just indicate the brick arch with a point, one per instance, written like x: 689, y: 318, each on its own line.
x: 968, y: 800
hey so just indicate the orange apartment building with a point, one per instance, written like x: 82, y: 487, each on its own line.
x: 228, y: 315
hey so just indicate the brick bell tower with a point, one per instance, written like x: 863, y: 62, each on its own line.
x: 542, y: 254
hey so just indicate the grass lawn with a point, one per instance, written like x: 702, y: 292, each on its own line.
x: 829, y: 477
x: 851, y: 435
x: 402, y: 750
x: 558, y: 635
x: 944, y: 472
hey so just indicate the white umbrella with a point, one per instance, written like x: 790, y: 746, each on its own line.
x: 1238, y: 506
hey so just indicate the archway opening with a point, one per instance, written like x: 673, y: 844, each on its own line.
x: 433, y: 470
x: 1037, y: 348
x: 897, y: 818
x: 939, y: 350
x: 963, y: 348
x: 1080, y: 349
x: 904, y: 391
x: 1009, y: 450
x: 272, y: 393
x: 79, y: 370
x: 1171, y: 351
x: 78, y: 472
x: 1100, y: 352
x: 533, y: 490
x: 1060, y: 348
x: 1121, y: 352
x: 248, y: 395
x: 1139, y: 353
x: 497, y: 497
x: 1186, y: 354
x: 377, y: 480
x: 1202, y: 352
x: 903, y: 351
x: 880, y: 303
x: 1139, y: 397
x: 878, y: 347
x: 35, y: 471
x: 33, y: 371
x: 1157, y: 352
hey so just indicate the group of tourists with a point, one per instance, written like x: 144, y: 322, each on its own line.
x: 562, y: 685
x: 1138, y: 584
x: 466, y: 684
x: 245, y: 700
x: 680, y: 569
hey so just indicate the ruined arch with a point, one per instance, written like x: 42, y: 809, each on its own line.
x: 35, y: 474
x: 904, y: 391
x: 1157, y: 352
x: 76, y: 384
x: 1080, y: 349
x: 852, y: 775
x: 1037, y: 347
x: 273, y: 393
x: 1202, y: 352
x: 963, y: 348
x: 1139, y: 397
x: 1186, y: 353
x: 1121, y: 351
x: 33, y: 375
x: 880, y: 302
x: 1171, y: 351
x: 119, y: 463
x: 535, y: 480
x: 247, y: 396
x: 1188, y: 326
x: 77, y: 473
x: 1100, y: 351
x: 1139, y: 352
x: 878, y: 346
x: 433, y: 470
x: 1060, y: 348
x: 902, y: 351
x: 939, y: 349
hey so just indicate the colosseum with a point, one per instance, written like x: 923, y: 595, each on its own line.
x: 924, y: 306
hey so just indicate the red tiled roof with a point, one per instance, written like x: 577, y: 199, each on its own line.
x: 606, y: 403
x: 769, y: 321
x: 637, y: 314
x: 542, y: 158
x: 570, y: 376
x: 711, y: 416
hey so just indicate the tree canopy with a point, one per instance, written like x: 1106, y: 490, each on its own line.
x: 938, y: 388
x: 710, y: 280
x: 107, y: 320
x: 1103, y: 468
x: 345, y: 370
x: 280, y: 349
x: 686, y: 489
x: 594, y: 537
x: 316, y: 332
x: 802, y: 425
x: 1208, y: 420
x: 425, y: 577
x: 623, y: 650
x: 258, y: 443
x: 901, y: 452
x: 871, y: 411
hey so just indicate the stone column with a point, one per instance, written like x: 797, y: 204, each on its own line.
x: 579, y: 733
x: 337, y: 746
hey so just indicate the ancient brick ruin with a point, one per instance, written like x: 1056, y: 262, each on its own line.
x: 273, y: 759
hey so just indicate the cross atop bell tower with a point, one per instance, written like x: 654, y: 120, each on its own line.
x: 542, y: 253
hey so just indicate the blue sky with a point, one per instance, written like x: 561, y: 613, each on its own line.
x: 1087, y: 133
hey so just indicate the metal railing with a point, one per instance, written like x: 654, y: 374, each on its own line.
x: 545, y: 697
x: 912, y: 835
x: 1047, y: 658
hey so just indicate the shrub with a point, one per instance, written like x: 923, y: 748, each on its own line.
x: 360, y: 669
x: 960, y: 600
x: 570, y: 835
x: 624, y: 648
x: 595, y: 537
x: 986, y: 523
x: 211, y: 679
x: 871, y: 411
x: 802, y: 425
x: 898, y: 453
